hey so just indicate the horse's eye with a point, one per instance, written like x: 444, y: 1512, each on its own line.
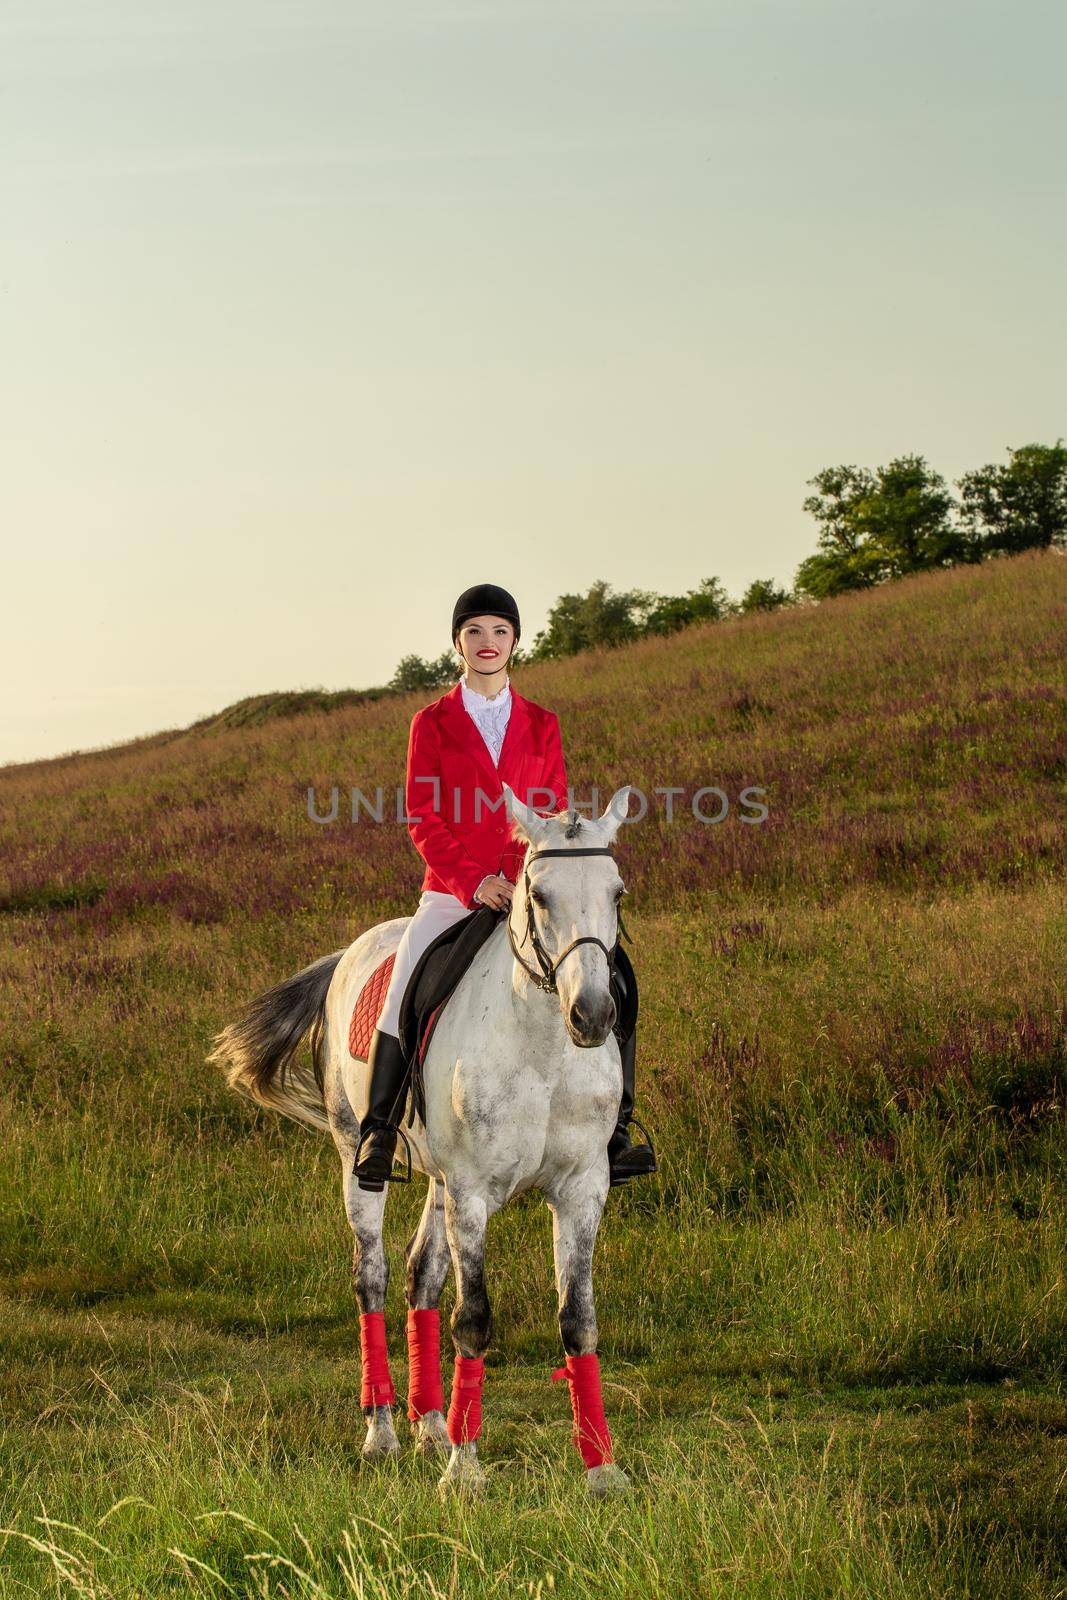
x: 619, y: 893
x: 537, y: 897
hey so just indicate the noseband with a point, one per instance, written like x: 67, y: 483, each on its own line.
x: 546, y: 978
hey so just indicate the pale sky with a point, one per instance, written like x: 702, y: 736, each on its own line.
x: 313, y: 314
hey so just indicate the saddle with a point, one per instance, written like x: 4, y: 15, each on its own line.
x: 435, y: 977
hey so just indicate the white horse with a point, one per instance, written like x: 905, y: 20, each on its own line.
x: 522, y: 1086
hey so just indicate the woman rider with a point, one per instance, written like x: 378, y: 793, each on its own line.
x: 470, y: 858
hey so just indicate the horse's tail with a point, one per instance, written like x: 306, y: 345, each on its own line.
x: 256, y: 1052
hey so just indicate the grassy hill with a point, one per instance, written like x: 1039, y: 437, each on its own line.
x: 832, y: 1330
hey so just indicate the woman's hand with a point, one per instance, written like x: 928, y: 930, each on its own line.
x: 495, y: 892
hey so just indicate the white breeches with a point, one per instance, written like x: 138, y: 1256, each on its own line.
x: 434, y: 913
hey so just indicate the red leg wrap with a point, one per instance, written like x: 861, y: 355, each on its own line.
x: 377, y: 1389
x: 590, y: 1425
x: 465, y: 1411
x: 425, y: 1391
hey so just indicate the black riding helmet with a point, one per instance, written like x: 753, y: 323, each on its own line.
x: 488, y: 600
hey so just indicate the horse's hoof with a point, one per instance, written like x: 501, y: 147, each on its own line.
x: 431, y: 1435
x: 464, y: 1474
x: 373, y: 1451
x: 605, y: 1480
x: 381, y: 1440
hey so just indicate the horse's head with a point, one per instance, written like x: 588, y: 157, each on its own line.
x: 563, y: 928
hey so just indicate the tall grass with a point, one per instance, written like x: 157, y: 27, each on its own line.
x: 832, y: 1330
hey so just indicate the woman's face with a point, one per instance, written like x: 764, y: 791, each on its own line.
x: 485, y: 643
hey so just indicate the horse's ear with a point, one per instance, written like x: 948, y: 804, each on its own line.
x: 525, y: 824
x: 615, y: 813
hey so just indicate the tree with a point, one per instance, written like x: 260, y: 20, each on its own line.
x: 842, y: 561
x: 879, y: 525
x: 909, y: 519
x: 709, y: 602
x: 415, y: 673
x: 581, y: 621
x: 761, y: 595
x: 1018, y: 506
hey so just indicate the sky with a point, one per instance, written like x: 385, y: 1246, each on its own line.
x: 314, y: 314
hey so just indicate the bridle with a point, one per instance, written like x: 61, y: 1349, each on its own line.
x: 546, y: 978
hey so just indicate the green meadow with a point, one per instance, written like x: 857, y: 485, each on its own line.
x: 832, y: 1328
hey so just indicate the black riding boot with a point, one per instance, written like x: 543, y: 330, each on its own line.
x: 629, y: 1160
x: 379, y: 1128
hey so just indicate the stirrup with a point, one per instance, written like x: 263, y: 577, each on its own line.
x: 635, y: 1122
x: 628, y: 1177
x: 375, y: 1185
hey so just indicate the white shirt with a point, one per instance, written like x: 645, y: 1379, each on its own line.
x: 490, y: 717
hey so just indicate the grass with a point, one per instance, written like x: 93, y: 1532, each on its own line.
x: 832, y: 1331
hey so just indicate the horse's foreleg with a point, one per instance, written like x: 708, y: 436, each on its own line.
x: 576, y: 1211
x: 370, y: 1276
x: 370, y: 1272
x: 466, y: 1215
x: 427, y: 1269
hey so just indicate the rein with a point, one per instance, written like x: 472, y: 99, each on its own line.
x: 546, y: 978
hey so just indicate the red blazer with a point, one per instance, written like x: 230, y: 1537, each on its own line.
x: 454, y: 828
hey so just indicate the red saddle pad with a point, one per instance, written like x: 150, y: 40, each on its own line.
x: 368, y: 1008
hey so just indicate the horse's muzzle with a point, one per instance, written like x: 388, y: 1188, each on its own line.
x: 589, y: 1021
